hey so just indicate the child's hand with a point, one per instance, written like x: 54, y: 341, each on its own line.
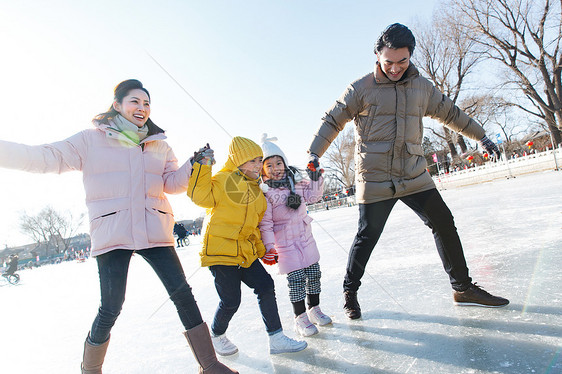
x: 313, y: 162
x: 314, y: 175
x: 270, y: 258
x: 313, y: 168
x: 204, y: 156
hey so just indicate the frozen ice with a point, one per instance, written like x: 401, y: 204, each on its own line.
x: 512, y: 235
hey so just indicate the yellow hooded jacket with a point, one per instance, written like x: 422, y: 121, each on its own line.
x: 235, y: 206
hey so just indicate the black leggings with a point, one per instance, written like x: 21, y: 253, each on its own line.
x: 113, y: 268
x: 433, y: 211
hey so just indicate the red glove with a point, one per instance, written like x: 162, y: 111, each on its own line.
x: 313, y: 162
x: 270, y: 258
x: 313, y: 168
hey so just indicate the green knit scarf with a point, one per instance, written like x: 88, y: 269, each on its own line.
x: 130, y: 130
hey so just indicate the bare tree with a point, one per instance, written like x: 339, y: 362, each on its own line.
x: 446, y: 54
x: 489, y: 109
x: 331, y: 183
x: 340, y: 157
x: 525, y: 37
x: 438, y: 137
x: 50, y: 227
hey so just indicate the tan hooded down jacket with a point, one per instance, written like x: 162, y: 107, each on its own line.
x: 389, y: 159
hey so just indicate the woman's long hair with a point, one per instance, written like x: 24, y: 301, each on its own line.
x: 120, y: 91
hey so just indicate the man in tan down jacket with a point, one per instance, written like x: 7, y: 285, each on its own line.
x: 387, y: 107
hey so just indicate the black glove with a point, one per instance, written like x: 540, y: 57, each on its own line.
x: 204, y: 156
x: 489, y: 146
x: 313, y: 168
x: 313, y: 162
x: 314, y: 175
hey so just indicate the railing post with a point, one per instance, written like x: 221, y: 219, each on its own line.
x: 507, y: 163
x: 554, y: 152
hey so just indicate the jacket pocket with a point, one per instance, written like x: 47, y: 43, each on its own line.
x: 221, y: 240
x: 105, y: 207
x: 414, y: 162
x: 374, y: 161
x: 307, y: 226
x: 414, y: 149
x: 159, y: 225
x: 224, y: 231
x: 111, y: 229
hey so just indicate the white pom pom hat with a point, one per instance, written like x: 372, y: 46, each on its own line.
x: 270, y: 149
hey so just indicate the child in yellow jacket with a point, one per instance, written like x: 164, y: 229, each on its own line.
x: 232, y: 242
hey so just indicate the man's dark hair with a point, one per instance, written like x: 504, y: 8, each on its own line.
x: 396, y: 36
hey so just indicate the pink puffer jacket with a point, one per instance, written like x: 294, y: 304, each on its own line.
x: 124, y: 183
x: 289, y: 230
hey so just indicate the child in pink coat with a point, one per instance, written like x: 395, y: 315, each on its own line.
x: 287, y: 234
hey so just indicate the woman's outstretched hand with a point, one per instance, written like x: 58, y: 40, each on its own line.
x: 204, y: 156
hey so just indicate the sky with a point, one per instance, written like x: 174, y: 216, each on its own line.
x: 409, y: 323
x: 255, y: 67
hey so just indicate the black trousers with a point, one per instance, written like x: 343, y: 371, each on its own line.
x: 113, y: 268
x: 227, y: 282
x: 433, y: 211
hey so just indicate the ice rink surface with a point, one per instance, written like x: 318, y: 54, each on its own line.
x: 512, y: 236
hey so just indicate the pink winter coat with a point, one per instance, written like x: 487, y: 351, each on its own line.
x: 124, y: 183
x: 289, y: 230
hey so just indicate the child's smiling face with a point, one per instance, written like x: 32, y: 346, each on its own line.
x: 252, y: 168
x: 274, y: 168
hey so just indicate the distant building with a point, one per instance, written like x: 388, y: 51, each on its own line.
x: 46, y: 250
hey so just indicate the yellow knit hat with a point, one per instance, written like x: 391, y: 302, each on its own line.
x: 240, y: 151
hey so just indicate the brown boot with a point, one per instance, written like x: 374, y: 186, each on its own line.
x: 351, y: 306
x: 93, y: 357
x: 199, y: 340
x: 476, y: 296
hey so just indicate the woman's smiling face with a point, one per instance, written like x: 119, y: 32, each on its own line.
x: 135, y: 107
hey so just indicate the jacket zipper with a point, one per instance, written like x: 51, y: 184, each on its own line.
x: 195, y: 183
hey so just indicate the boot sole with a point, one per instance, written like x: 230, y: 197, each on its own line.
x: 226, y: 353
x: 323, y: 324
x: 277, y: 351
x: 319, y: 323
x: 353, y: 316
x: 314, y: 332
x: 480, y: 305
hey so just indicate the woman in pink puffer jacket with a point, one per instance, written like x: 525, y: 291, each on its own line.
x: 287, y: 235
x: 127, y: 169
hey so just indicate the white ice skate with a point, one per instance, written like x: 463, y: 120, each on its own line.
x: 317, y: 317
x: 223, y: 346
x: 303, y: 326
x: 280, y: 343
